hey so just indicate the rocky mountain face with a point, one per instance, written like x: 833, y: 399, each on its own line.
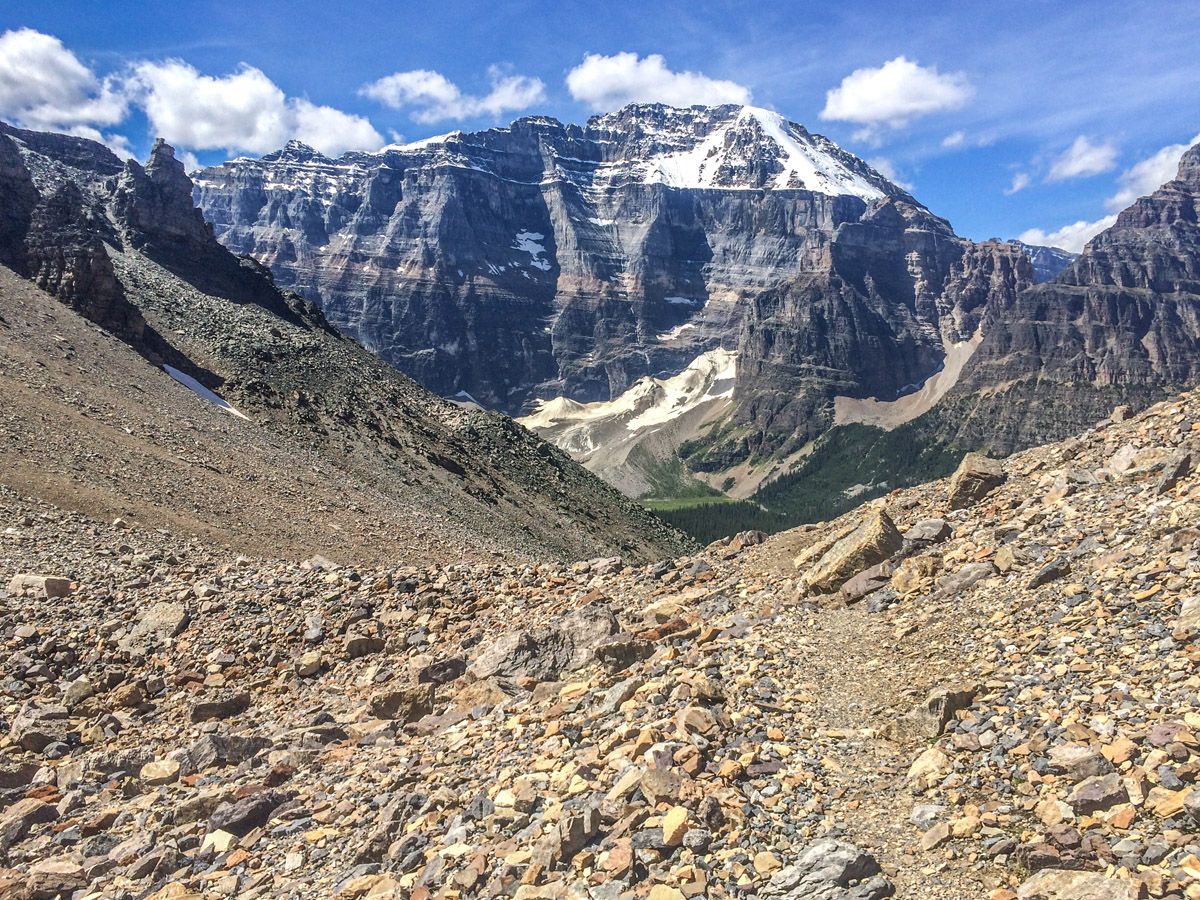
x: 1120, y: 325
x: 543, y: 260
x: 983, y: 689
x: 123, y: 246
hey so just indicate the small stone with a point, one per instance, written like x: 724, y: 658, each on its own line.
x: 674, y: 826
x: 1098, y: 793
x: 160, y: 771
x: 766, y: 862
x: 935, y: 836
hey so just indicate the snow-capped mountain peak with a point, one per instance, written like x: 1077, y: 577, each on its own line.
x: 732, y: 147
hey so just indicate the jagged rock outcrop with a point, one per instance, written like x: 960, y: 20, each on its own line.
x: 1121, y: 325
x: 53, y: 231
x: 154, y: 204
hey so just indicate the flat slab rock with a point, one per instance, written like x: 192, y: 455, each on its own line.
x: 873, y: 541
x: 1061, y: 884
x: 39, y: 586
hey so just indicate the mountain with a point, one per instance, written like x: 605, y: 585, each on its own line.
x: 1119, y: 326
x: 151, y: 374
x: 982, y: 689
x: 1048, y: 262
x: 545, y: 261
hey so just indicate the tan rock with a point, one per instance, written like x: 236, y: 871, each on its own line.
x: 766, y: 862
x: 674, y: 825
x: 976, y: 477
x: 45, y: 586
x: 873, y: 541
x: 160, y: 771
x: 1061, y: 884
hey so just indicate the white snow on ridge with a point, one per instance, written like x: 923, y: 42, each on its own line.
x: 422, y: 144
x: 204, y: 393
x: 675, y: 332
x: 802, y: 159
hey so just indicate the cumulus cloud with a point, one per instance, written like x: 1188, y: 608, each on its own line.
x: 895, y: 94
x: 954, y: 139
x: 605, y: 83
x: 1020, y: 181
x: 1070, y: 237
x: 44, y: 86
x: 1083, y: 159
x: 1148, y: 175
x: 432, y: 97
x: 242, y: 111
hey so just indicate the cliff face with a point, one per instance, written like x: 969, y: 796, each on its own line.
x: 542, y: 260
x: 1120, y: 325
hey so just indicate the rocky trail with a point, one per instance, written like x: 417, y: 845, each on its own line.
x: 978, y: 688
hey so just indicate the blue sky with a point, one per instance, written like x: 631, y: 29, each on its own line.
x: 1002, y: 118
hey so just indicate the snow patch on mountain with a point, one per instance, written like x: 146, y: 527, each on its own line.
x: 651, y: 404
x: 204, y: 393
x: 530, y: 242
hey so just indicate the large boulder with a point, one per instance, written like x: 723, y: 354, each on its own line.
x: 407, y: 703
x: 159, y: 624
x: 41, y: 586
x: 930, y: 718
x: 977, y: 476
x: 873, y: 541
x: 546, y: 652
x: 829, y: 870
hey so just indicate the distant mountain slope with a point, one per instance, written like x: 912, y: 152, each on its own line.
x: 544, y: 260
x: 1048, y: 262
x: 339, y: 452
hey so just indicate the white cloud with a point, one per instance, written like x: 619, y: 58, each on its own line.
x: 895, y: 94
x: 955, y: 139
x: 1070, y: 237
x: 1148, y: 175
x: 1083, y: 159
x: 606, y: 83
x: 44, y: 86
x: 1020, y: 181
x: 241, y: 111
x: 887, y: 169
x: 433, y: 97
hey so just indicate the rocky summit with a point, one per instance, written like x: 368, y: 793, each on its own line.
x: 983, y: 687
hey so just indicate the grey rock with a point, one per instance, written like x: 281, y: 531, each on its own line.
x: 545, y: 653
x: 829, y: 870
